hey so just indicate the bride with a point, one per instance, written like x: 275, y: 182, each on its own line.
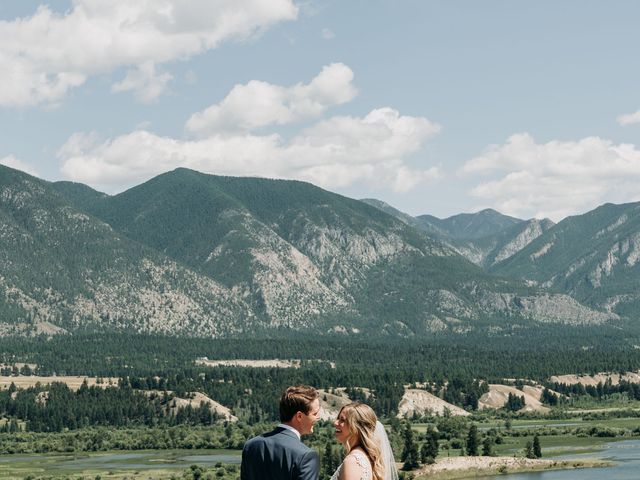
x: 369, y: 455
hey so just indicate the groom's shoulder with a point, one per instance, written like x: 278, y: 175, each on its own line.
x: 278, y: 436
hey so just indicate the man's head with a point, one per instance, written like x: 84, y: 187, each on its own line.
x: 300, y: 408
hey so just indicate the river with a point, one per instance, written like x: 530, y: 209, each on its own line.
x: 624, y: 455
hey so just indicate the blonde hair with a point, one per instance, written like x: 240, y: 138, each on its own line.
x: 360, y: 420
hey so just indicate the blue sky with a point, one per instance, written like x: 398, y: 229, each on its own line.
x: 439, y: 107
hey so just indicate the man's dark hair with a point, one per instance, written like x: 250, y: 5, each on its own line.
x: 296, y: 399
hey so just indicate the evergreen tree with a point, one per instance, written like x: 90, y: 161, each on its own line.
x: 528, y: 450
x: 13, y: 426
x: 471, y: 401
x: 430, y: 448
x: 410, y: 451
x: 515, y: 403
x: 549, y: 397
x: 487, y: 447
x: 537, y: 450
x: 472, y: 441
x: 328, y: 464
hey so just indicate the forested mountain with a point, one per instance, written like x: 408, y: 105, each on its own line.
x: 61, y: 270
x: 404, y: 217
x: 485, y: 238
x: 491, y: 249
x: 196, y: 254
x: 593, y: 257
x: 469, y: 226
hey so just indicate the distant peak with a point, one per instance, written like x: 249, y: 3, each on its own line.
x: 489, y: 211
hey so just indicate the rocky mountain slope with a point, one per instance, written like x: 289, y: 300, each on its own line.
x: 592, y: 257
x: 61, y: 270
x: 485, y: 238
x: 194, y: 254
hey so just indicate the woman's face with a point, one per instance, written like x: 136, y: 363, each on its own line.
x: 342, y: 429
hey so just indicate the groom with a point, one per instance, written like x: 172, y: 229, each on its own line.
x: 280, y: 454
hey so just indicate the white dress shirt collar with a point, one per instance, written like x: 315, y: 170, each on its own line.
x: 289, y: 427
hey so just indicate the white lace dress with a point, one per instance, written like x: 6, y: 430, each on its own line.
x: 362, y: 460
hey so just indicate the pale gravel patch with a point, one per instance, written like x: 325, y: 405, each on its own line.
x: 497, y: 397
x: 459, y: 464
x: 331, y: 403
x: 72, y: 381
x: 593, y: 380
x: 272, y: 363
x: 194, y: 400
x: 421, y: 402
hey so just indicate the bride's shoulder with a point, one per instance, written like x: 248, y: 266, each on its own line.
x: 356, y: 465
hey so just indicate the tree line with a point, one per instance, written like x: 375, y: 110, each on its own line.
x: 55, y: 407
x: 535, y: 354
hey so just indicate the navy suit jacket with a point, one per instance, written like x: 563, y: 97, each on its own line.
x: 278, y: 455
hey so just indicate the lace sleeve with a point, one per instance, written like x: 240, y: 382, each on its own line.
x: 364, y: 464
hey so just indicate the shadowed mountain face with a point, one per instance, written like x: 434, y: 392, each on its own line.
x: 193, y: 254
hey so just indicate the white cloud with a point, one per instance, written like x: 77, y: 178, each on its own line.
x: 555, y: 179
x: 335, y: 153
x: 145, y: 82
x: 258, y: 104
x: 13, y: 162
x: 629, y: 118
x: 45, y: 55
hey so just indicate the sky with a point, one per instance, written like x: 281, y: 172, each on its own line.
x: 433, y: 106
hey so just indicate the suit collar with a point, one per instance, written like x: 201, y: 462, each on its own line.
x: 292, y: 432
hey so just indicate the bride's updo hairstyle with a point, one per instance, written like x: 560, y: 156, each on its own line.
x: 361, y: 423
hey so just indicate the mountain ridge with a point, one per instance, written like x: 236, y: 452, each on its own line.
x: 193, y: 254
x: 499, y: 237
x: 593, y: 257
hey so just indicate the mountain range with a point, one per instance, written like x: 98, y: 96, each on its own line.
x: 201, y: 255
x: 485, y: 238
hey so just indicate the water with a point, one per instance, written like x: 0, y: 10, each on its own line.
x: 625, y: 455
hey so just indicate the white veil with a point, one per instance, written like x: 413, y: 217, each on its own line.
x: 390, y: 470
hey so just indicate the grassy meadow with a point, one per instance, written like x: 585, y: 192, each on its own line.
x: 148, y: 464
